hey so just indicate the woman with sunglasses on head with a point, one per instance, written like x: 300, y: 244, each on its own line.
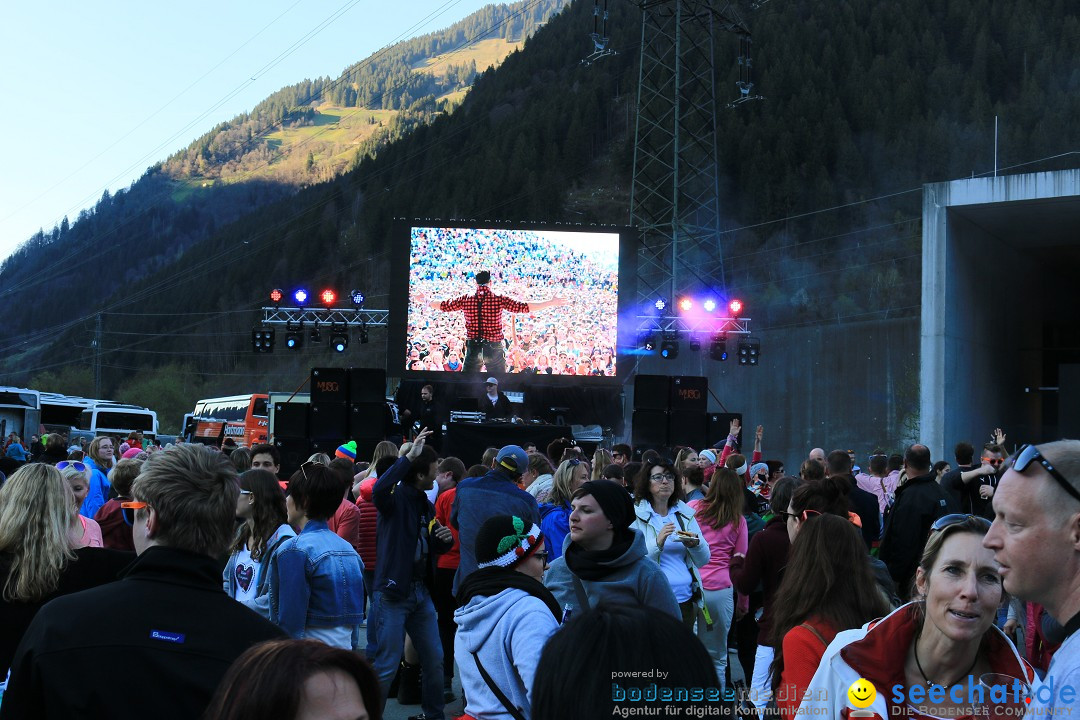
x: 37, y: 560
x: 85, y: 532
x: 316, y: 581
x: 115, y: 530
x: 927, y: 658
x: 506, y: 615
x: 259, y: 538
x: 672, y: 534
x: 555, y: 513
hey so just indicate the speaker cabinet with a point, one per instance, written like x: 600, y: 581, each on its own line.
x: 291, y: 420
x: 652, y: 392
x: 329, y: 385
x: 293, y: 451
x: 690, y: 393
x: 687, y: 427
x: 717, y: 428
x: 329, y: 421
x: 650, y: 428
x: 367, y: 385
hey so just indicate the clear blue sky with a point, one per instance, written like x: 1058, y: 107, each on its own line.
x: 94, y: 93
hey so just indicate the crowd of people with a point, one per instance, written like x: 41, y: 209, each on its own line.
x: 577, y: 338
x: 540, y: 583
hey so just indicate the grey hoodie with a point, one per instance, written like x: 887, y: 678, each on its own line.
x: 507, y: 631
x: 634, y: 580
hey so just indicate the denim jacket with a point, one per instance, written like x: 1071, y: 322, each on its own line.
x: 261, y: 602
x: 316, y: 580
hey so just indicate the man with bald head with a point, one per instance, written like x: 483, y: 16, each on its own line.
x: 818, y: 455
x: 919, y: 502
x: 1036, y: 540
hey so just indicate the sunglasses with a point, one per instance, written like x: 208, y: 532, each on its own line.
x: 803, y: 516
x: 955, y: 519
x: 309, y: 462
x: 78, y: 466
x: 1030, y: 453
x: 996, y: 462
x: 127, y: 510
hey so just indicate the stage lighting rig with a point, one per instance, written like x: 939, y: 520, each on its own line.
x: 262, y: 340
x: 339, y: 337
x: 316, y: 334
x: 357, y: 298
x: 294, y: 335
x: 300, y: 296
x: 749, y: 351
x: 718, y: 349
x: 328, y: 297
x: 735, y: 307
x: 669, y: 349
x: 276, y: 296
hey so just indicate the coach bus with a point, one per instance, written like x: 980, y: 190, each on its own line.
x: 244, y: 418
x: 20, y: 411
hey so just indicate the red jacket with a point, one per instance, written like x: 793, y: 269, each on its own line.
x: 346, y: 523
x: 450, y: 559
x: 368, y: 521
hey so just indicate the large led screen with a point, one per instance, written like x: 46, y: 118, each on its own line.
x: 514, y: 301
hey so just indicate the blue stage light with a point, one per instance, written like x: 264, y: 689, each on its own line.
x: 300, y: 296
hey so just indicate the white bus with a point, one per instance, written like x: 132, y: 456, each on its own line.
x: 20, y: 412
x: 116, y: 420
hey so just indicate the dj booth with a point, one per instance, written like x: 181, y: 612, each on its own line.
x: 467, y: 441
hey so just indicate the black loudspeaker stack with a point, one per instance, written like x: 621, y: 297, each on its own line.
x: 346, y: 404
x: 670, y: 411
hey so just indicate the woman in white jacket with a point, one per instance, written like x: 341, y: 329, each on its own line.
x: 506, y: 617
x: 672, y: 534
x: 926, y: 658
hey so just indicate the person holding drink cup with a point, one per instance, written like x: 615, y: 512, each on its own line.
x: 937, y: 656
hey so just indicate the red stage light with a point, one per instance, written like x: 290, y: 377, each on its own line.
x: 328, y: 297
x: 686, y: 304
x: 735, y: 306
x: 276, y: 295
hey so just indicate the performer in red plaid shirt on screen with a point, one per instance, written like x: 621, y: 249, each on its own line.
x: 483, y: 323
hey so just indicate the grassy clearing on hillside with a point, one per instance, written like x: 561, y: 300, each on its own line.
x: 486, y: 52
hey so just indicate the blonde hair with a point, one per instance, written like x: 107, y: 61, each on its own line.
x: 384, y: 449
x: 37, y: 509
x: 681, y: 458
x: 600, y: 460
x: 562, y: 489
x: 320, y: 458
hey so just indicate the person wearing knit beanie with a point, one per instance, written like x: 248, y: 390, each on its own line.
x: 505, y: 541
x: 613, y: 500
x: 504, y: 606
x: 347, y: 451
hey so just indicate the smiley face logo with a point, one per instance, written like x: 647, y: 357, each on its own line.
x: 862, y: 693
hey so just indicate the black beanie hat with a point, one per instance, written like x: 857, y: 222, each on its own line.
x: 612, y: 499
x: 506, y: 540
